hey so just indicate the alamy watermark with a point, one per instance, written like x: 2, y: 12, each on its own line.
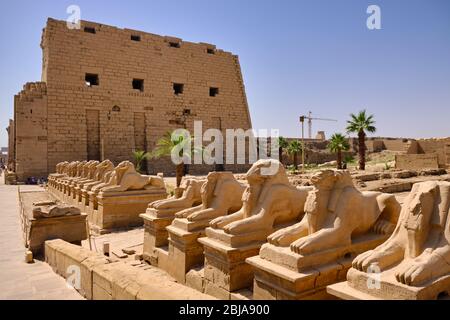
x: 374, y: 276
x: 373, y: 22
x: 238, y: 145
x: 73, y: 274
x: 73, y: 21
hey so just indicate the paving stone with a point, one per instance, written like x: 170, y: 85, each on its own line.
x: 19, y: 280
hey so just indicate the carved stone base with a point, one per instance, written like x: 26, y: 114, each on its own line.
x: 360, y: 285
x: 156, y: 239
x: 71, y: 228
x: 67, y: 193
x: 225, y: 255
x: 84, y: 204
x: 185, y: 252
x: 195, y: 279
x: 122, y: 209
x: 281, y: 274
x: 77, y: 196
x: 273, y: 282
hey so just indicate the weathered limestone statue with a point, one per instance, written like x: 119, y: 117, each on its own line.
x: 339, y: 222
x: 52, y: 209
x: 82, y: 175
x: 127, y: 178
x: 161, y: 213
x: 100, y: 170
x: 60, y: 172
x: 79, y: 169
x: 330, y: 220
x: 269, y: 202
x: 72, y: 173
x: 268, y: 199
x: 72, y: 168
x: 221, y: 194
x: 60, y: 167
x: 88, y: 174
x: 120, y: 201
x: 414, y: 263
x: 187, y: 196
x: 108, y: 174
x: 67, y: 169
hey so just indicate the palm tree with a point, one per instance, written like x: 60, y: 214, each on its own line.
x: 337, y: 144
x: 139, y: 157
x: 294, y: 148
x: 360, y: 123
x: 164, y: 148
x: 282, y: 144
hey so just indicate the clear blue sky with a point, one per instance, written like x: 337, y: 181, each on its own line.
x: 295, y: 55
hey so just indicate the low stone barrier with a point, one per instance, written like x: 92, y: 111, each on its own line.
x: 97, y: 277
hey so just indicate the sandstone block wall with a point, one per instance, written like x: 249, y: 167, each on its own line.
x: 438, y: 146
x: 416, y: 161
x: 100, y: 278
x: 11, y: 143
x: 30, y: 125
x: 131, y: 101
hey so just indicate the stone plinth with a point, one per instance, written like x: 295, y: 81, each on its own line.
x: 356, y: 287
x: 155, y: 238
x: 281, y: 274
x: 77, y: 196
x: 121, y: 209
x: 71, y: 228
x: 185, y: 251
x: 84, y: 204
x: 225, y: 255
x: 72, y: 196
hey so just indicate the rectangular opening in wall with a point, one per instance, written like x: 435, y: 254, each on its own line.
x: 91, y: 79
x: 138, y: 84
x: 178, y: 88
x: 213, y: 92
x: 210, y: 51
x: 89, y: 30
x: 186, y: 112
x: 135, y: 37
x: 174, y: 44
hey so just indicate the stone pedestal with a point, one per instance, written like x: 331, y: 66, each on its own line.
x: 71, y: 228
x: 93, y: 204
x: 225, y: 255
x: 72, y: 197
x: 77, y: 196
x: 156, y: 238
x: 66, y: 194
x: 361, y: 285
x: 281, y: 274
x: 84, y: 204
x: 185, y: 252
x: 121, y: 209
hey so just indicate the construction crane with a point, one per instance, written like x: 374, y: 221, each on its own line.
x: 310, y: 119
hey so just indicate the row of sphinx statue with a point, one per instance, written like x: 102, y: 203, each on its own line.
x: 329, y: 214
x: 103, y: 176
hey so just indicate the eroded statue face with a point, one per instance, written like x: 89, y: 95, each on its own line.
x: 323, y: 179
x: 417, y: 224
